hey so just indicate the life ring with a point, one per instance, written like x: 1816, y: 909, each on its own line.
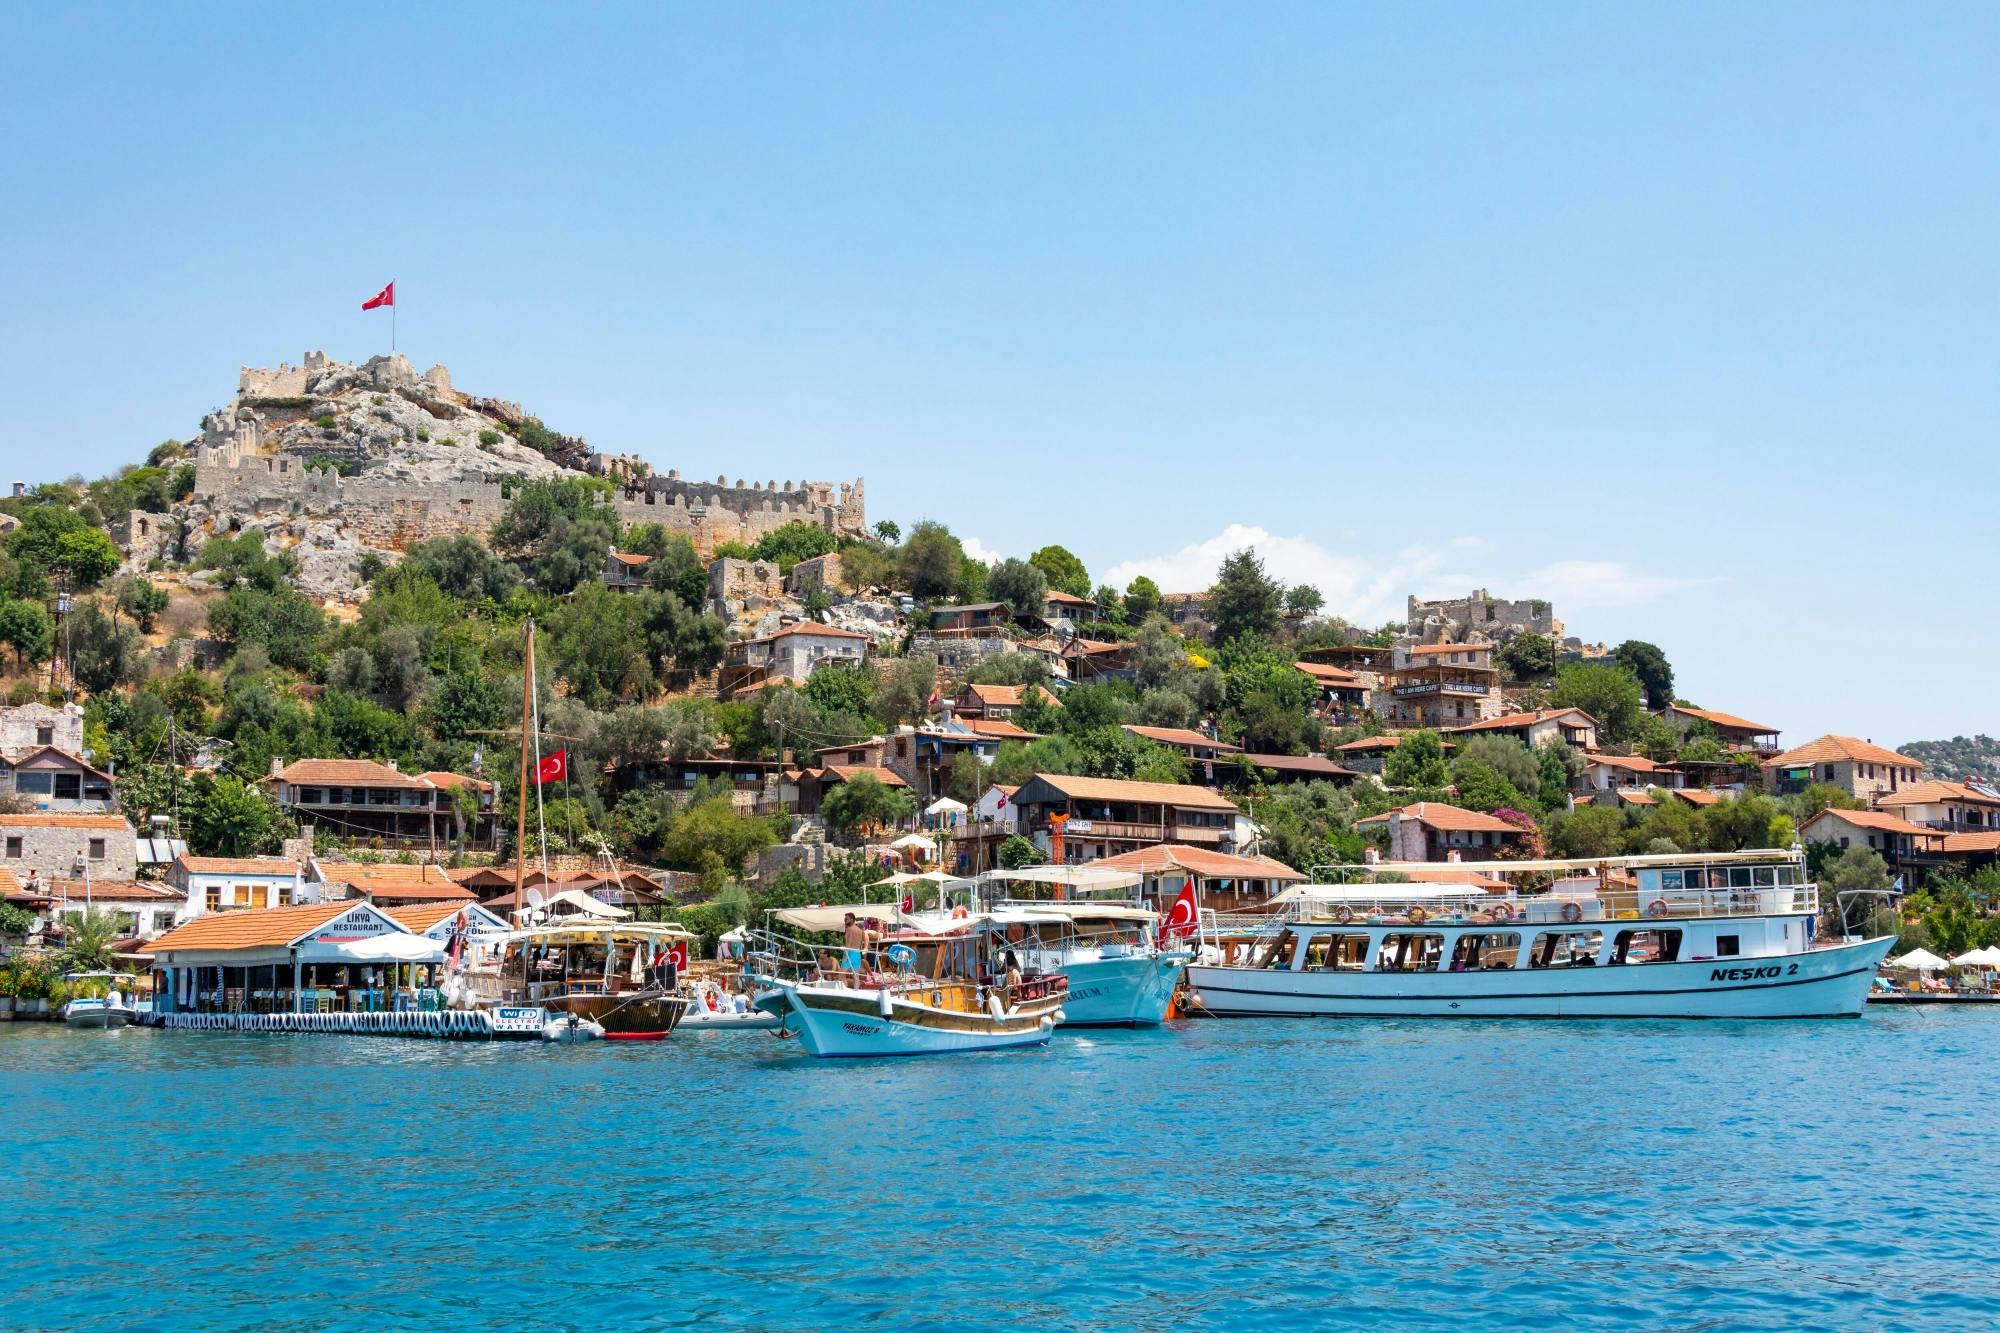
x: 1502, y: 912
x: 1572, y: 912
x: 1418, y: 916
x: 1343, y: 914
x: 959, y: 914
x: 1657, y: 908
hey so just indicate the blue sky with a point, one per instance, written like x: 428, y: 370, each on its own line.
x: 1682, y: 317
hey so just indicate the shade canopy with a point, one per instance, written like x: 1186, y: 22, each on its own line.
x: 576, y: 900
x: 1919, y: 960
x: 921, y: 842
x: 944, y: 805
x: 1987, y: 957
x: 1084, y: 879
x: 834, y: 917
x: 902, y: 877
x: 385, y: 948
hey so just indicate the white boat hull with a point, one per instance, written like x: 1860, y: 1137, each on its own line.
x: 95, y: 1014
x: 846, y: 1030
x: 1823, y: 983
x: 705, y: 1020
x: 1131, y: 991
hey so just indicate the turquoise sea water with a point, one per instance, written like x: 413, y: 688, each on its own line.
x: 1224, y: 1174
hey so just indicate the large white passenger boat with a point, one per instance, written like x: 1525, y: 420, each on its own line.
x: 1120, y: 975
x: 1726, y: 935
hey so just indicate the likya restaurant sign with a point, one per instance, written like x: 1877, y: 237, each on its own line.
x: 359, y: 923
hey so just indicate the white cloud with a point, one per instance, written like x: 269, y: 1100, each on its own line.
x: 1370, y: 590
x: 977, y: 550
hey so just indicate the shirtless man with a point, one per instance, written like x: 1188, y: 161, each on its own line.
x: 857, y: 940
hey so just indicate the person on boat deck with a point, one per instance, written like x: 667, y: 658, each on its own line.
x: 857, y: 939
x: 1012, y: 985
x: 829, y: 966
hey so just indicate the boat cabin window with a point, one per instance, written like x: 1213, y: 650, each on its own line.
x: 1566, y: 948
x: 1486, y: 953
x: 1645, y: 946
x: 1275, y: 955
x: 1728, y: 946
x: 1327, y: 952
x: 1409, y: 952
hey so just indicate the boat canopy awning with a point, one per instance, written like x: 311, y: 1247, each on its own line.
x: 386, y: 948
x: 834, y: 917
x: 1376, y: 893
x: 1084, y: 879
x: 1071, y: 910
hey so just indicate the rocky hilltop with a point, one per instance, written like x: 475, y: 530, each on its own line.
x: 334, y: 460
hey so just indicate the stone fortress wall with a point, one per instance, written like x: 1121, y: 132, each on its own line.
x: 1456, y: 619
x: 237, y: 472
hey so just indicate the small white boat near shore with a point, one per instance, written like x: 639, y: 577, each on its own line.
x: 98, y: 1011
x: 1724, y: 935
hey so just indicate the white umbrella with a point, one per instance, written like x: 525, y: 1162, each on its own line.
x: 1919, y: 960
x: 921, y: 842
x: 1987, y: 957
x: 945, y: 805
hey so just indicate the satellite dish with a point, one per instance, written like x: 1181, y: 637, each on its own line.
x: 535, y: 899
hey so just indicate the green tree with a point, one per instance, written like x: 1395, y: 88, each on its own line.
x: 87, y: 939
x: 540, y: 504
x: 681, y: 642
x: 1587, y: 831
x: 26, y: 628
x: 1244, y: 599
x: 102, y: 653
x: 1527, y: 657
x: 1481, y: 787
x: 462, y: 567
x: 1610, y: 694
x: 1303, y: 599
x: 1017, y: 853
x: 88, y: 555
x: 1858, y: 870
x: 1417, y: 761
x: 1142, y: 599
x: 676, y: 568
x: 1556, y: 766
x: 931, y: 560
x: 143, y: 601
x: 1065, y: 572
x: 597, y: 645
x: 1024, y: 587
x: 710, y: 836
x: 864, y: 802
x: 795, y: 541
x: 903, y: 691
x: 1655, y: 674
x: 889, y: 531
x: 228, y: 818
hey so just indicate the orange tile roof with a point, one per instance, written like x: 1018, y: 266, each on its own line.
x: 1514, y: 721
x: 631, y: 558
x: 8, y: 884
x: 271, y: 927
x: 1330, y: 675
x: 420, y: 917
x: 1696, y: 795
x: 1301, y: 763
x: 236, y: 865
x: 1068, y: 598
x: 811, y: 627
x: 1198, y: 860
x: 1370, y: 743
x: 1841, y: 749
x: 1728, y: 721
x: 1183, y: 737
x: 1433, y: 649
x: 996, y: 727
x: 1447, y: 818
x: 344, y: 773
x: 1150, y: 793
x: 450, y: 781
x: 1956, y: 844
x: 1008, y: 696
x: 888, y: 777
x: 1880, y: 820
x: 1934, y: 791
x: 39, y: 820
x: 1635, y: 763
x: 114, y: 891
x: 399, y: 882
x: 1633, y: 796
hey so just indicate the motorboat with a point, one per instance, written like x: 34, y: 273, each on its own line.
x: 927, y: 986
x: 621, y: 976
x: 1717, y: 935
x: 713, y: 1008
x: 108, y: 1010
x: 1118, y: 975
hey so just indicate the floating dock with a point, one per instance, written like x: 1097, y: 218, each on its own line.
x: 448, y: 1025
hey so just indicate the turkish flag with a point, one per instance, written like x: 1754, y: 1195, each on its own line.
x: 552, y: 769
x: 387, y: 296
x: 678, y: 953
x: 909, y: 903
x: 1184, y: 917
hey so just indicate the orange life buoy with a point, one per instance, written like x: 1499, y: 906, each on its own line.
x: 1502, y: 912
x: 959, y: 914
x: 1418, y: 916
x: 1657, y: 907
x: 1572, y: 912
x: 1343, y: 914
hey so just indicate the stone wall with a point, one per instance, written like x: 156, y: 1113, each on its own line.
x: 50, y: 845
x: 738, y: 586
x: 822, y: 571
x: 1449, y: 620
x: 20, y: 729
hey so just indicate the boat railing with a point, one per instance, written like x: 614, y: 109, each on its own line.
x: 775, y: 956
x: 1590, y: 903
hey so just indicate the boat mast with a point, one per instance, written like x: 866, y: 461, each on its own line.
x: 521, y: 814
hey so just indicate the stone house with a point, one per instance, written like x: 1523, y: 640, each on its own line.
x: 1952, y: 807
x: 1862, y: 768
x: 976, y: 619
x: 361, y: 801
x: 1737, y: 734
x: 624, y: 571
x: 790, y: 654
x: 28, y: 727
x: 1572, y: 726
x: 1908, y: 848
x: 1201, y: 751
x: 998, y: 703
x: 822, y: 571
x: 51, y: 780
x: 50, y: 845
x: 1441, y: 685
x: 1433, y: 831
